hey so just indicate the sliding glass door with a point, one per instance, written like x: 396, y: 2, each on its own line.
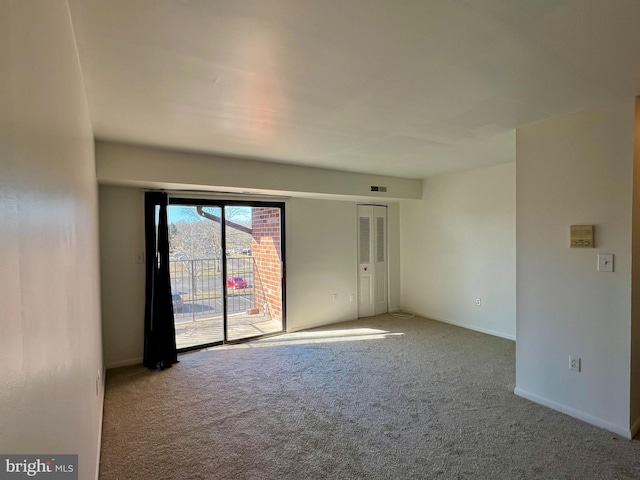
x: 226, y: 267
x: 254, y: 270
x: 195, y: 268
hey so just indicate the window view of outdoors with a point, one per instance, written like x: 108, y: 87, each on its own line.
x: 253, y: 261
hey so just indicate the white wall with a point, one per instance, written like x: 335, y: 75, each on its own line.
x: 320, y: 254
x: 635, y: 280
x: 458, y: 244
x: 321, y: 261
x: 122, y: 279
x: 119, y: 164
x: 393, y: 246
x: 576, y: 169
x: 50, y: 346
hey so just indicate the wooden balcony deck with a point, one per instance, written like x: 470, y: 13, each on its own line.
x: 203, y: 330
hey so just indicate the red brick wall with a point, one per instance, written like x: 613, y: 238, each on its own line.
x: 265, y: 249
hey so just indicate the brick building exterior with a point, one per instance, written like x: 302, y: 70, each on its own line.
x: 267, y: 255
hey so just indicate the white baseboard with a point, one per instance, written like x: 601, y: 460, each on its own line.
x: 124, y: 363
x: 306, y: 326
x: 488, y: 331
x: 572, y: 412
x: 98, y: 453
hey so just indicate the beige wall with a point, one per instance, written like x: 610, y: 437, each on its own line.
x: 50, y: 346
x: 122, y: 279
x: 458, y: 244
x: 320, y: 257
x: 119, y: 164
x: 576, y: 169
x: 321, y: 261
x: 394, y: 265
x: 635, y: 280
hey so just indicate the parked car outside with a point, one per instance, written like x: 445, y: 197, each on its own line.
x: 176, y: 298
x: 236, y: 282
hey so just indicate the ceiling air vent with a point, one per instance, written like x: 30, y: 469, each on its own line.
x: 375, y: 188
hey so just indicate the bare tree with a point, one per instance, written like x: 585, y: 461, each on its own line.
x: 238, y: 240
x: 196, y: 247
x: 196, y: 241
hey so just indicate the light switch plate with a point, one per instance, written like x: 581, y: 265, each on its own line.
x: 605, y: 262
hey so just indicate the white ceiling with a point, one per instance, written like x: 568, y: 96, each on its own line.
x: 407, y: 88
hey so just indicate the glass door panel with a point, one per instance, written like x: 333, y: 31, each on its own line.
x: 196, y: 270
x: 253, y: 237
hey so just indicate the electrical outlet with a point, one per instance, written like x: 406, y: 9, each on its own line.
x: 335, y: 297
x: 574, y: 363
x: 478, y: 302
x: 352, y: 297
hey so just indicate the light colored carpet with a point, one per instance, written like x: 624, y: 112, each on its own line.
x: 378, y: 398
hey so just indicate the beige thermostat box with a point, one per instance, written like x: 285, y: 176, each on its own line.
x: 581, y: 236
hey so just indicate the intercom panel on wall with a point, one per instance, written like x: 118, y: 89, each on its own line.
x: 581, y: 236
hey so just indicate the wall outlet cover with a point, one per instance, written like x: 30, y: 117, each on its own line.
x: 574, y: 363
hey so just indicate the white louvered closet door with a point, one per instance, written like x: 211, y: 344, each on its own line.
x: 372, y: 260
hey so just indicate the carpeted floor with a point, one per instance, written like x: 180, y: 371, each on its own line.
x: 378, y: 398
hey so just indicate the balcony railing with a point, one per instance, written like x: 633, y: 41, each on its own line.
x: 197, y: 287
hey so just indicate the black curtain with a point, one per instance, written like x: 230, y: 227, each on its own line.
x: 159, y: 329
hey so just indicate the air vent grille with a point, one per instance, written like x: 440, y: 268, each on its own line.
x: 365, y: 252
x: 380, y: 239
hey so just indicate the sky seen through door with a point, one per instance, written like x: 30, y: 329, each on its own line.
x: 240, y: 215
